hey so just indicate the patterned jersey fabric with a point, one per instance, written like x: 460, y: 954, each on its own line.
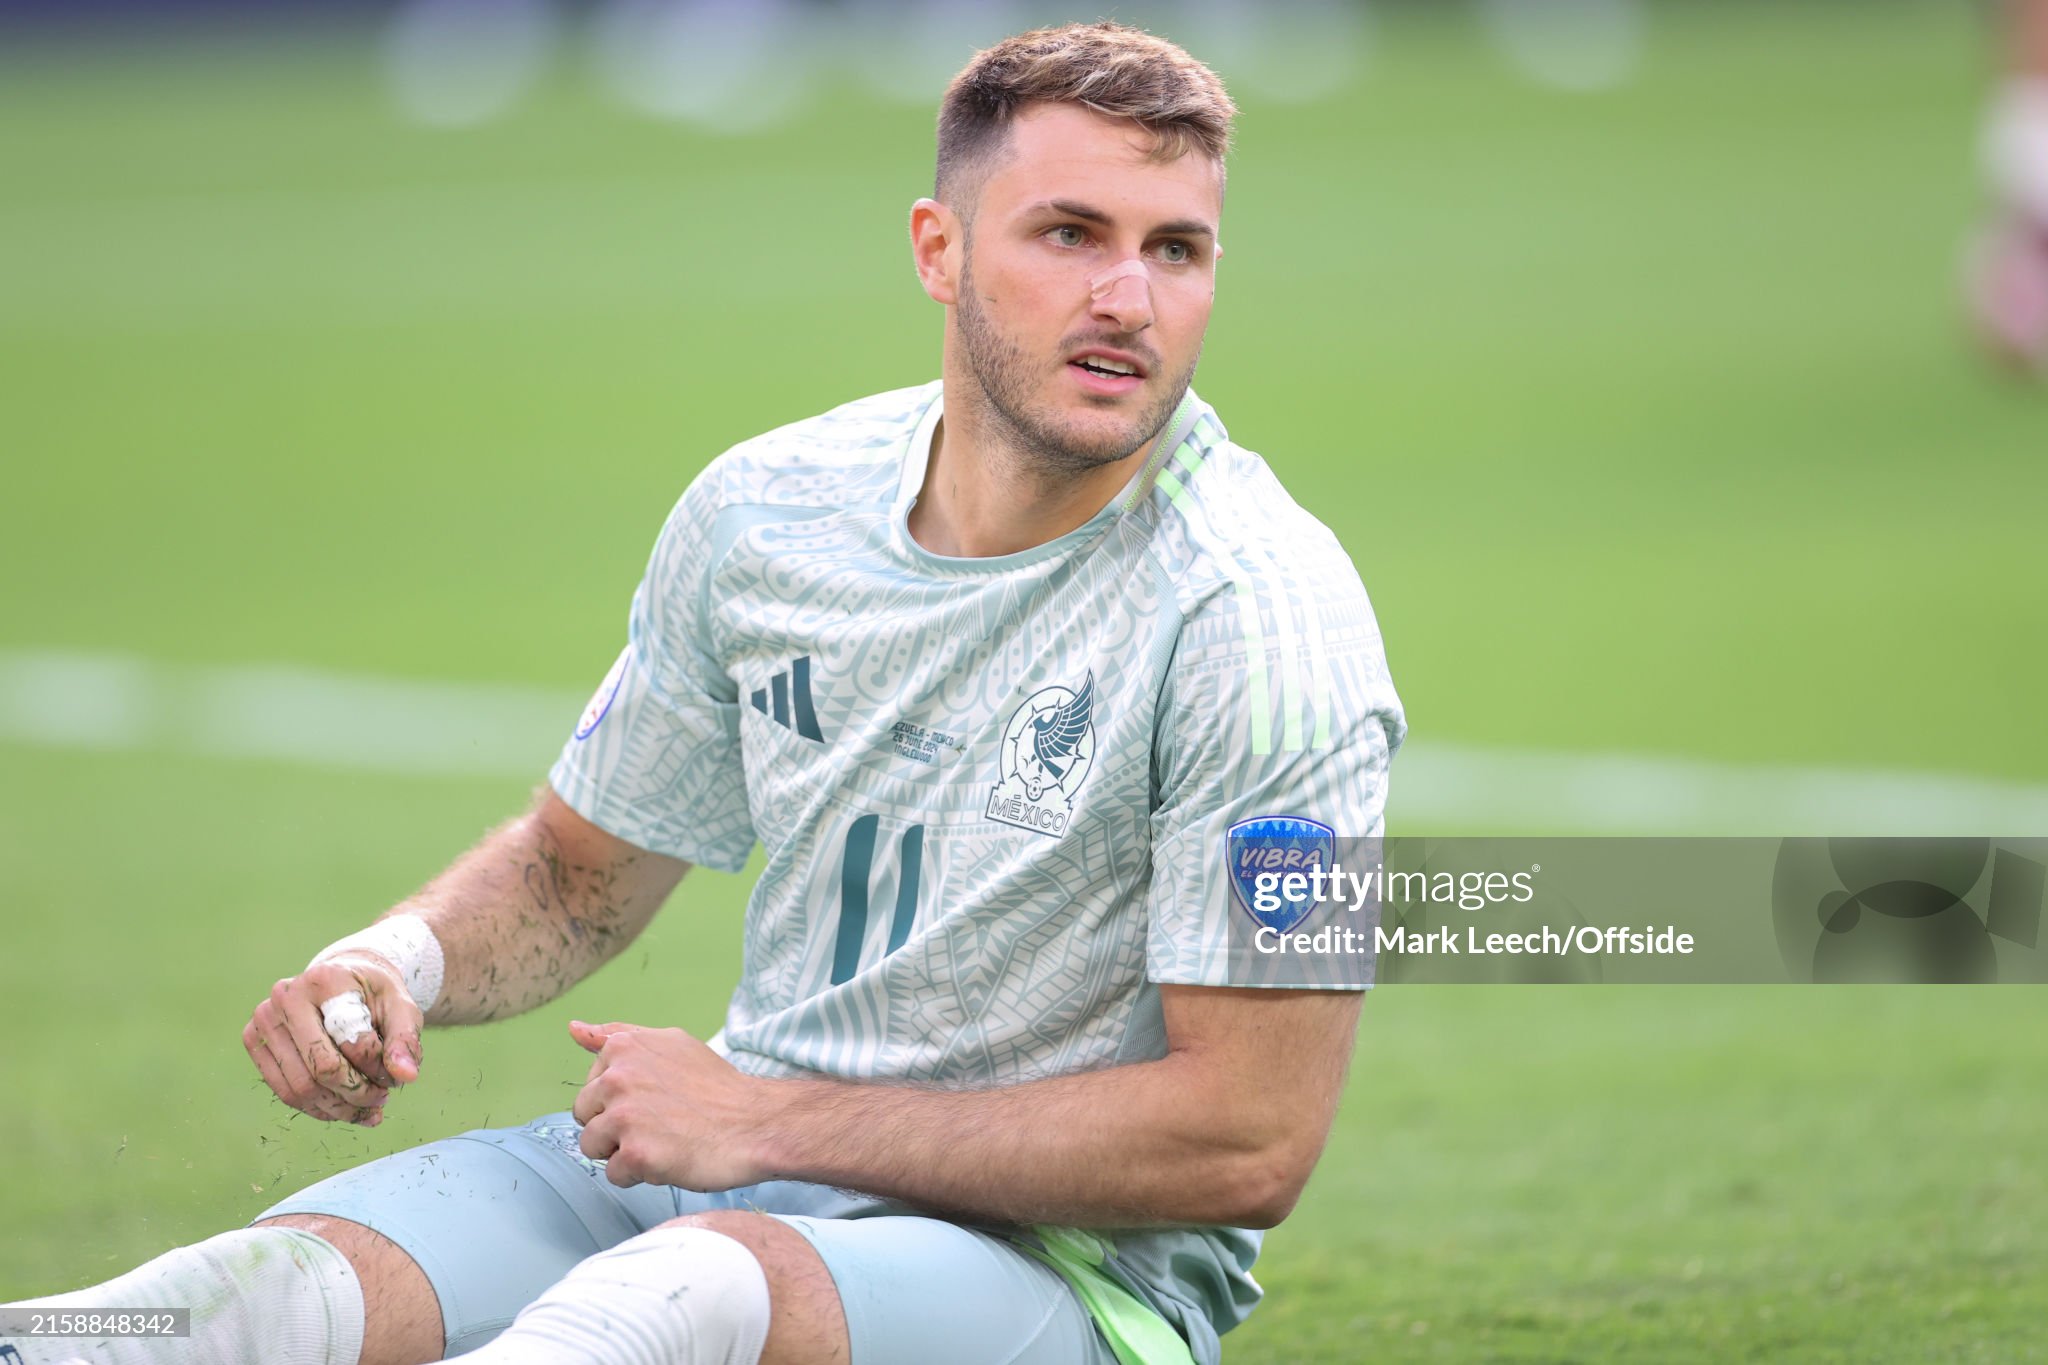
x: 992, y: 793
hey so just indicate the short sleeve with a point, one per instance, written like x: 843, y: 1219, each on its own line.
x: 1278, y: 703
x: 655, y: 758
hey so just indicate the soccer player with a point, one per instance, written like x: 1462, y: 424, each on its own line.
x: 989, y: 666
x: 2008, y: 283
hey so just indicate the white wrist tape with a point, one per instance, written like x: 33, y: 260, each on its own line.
x: 409, y: 945
x: 2016, y: 146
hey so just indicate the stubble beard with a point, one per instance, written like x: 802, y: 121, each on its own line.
x: 1039, y: 441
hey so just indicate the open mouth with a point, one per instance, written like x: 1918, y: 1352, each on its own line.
x: 1101, y: 378
x: 1104, y: 372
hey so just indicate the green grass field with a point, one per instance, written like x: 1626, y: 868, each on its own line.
x: 1646, y: 415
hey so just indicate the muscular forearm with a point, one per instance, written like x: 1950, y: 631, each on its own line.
x: 536, y: 906
x: 1224, y: 1128
x: 1150, y: 1143
x: 540, y: 903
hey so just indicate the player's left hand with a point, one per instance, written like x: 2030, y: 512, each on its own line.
x: 661, y: 1107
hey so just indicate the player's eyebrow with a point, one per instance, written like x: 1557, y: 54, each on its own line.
x: 1068, y: 208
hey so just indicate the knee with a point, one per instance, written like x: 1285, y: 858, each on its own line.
x: 766, y: 1240
x: 809, y: 1323
x: 751, y: 1230
x: 756, y: 1244
x: 402, y: 1311
x: 352, y: 1240
x: 373, y: 1255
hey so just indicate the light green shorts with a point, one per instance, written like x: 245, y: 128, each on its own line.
x: 496, y: 1216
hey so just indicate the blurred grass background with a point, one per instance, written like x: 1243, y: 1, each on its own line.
x: 1646, y: 414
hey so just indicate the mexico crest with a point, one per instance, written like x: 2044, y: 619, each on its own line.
x: 1046, y: 752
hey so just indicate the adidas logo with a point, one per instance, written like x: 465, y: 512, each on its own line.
x: 787, y: 700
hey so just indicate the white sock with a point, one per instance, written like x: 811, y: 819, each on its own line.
x: 273, y: 1294
x: 673, y: 1296
x: 2016, y: 146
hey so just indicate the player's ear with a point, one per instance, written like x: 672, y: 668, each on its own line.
x: 937, y: 240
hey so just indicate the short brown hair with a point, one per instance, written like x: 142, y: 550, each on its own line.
x: 1116, y: 70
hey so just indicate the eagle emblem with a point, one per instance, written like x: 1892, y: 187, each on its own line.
x: 1047, y: 749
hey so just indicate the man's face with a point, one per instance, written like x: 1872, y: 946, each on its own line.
x: 1072, y: 199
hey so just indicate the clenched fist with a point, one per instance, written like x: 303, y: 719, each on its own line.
x: 287, y: 1039
x: 661, y: 1107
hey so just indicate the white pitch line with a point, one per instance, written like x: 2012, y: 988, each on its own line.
x: 296, y: 715
x: 120, y: 702
x: 1476, y: 789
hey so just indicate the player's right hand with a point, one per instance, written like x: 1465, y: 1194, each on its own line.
x: 287, y: 1039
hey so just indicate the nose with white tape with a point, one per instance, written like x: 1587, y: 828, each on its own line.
x: 1123, y: 287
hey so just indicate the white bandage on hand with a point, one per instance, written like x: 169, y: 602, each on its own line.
x: 347, y: 1017
x: 409, y: 945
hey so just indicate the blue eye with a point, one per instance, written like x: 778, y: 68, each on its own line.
x: 1068, y: 235
x: 1176, y: 253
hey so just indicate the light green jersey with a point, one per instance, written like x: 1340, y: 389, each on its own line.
x: 993, y: 793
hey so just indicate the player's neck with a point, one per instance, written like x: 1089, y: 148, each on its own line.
x: 982, y: 497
